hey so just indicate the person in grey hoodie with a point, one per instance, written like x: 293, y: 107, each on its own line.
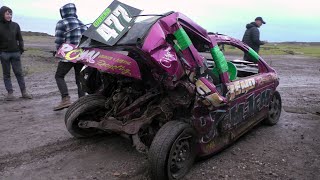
x: 11, y: 48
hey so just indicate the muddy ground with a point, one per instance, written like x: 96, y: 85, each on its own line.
x: 34, y: 143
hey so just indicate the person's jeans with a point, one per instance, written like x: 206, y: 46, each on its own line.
x: 62, y: 71
x: 13, y: 59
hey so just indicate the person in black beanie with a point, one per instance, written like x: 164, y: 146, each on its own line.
x: 11, y: 48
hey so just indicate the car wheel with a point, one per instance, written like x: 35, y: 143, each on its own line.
x: 172, y: 151
x: 82, y: 101
x: 91, y: 107
x: 275, y: 107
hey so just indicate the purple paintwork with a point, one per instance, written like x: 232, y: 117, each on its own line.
x: 155, y: 43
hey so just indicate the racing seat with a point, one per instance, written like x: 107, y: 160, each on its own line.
x: 232, y: 70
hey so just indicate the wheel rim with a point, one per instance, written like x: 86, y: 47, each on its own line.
x: 181, y: 153
x: 274, y: 109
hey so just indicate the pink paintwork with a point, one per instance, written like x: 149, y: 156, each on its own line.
x: 108, y: 61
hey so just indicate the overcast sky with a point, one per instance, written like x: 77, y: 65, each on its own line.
x: 287, y: 20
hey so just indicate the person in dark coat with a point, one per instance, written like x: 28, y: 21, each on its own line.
x: 252, y: 35
x: 11, y: 48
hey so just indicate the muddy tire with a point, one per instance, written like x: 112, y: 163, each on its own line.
x: 81, y: 101
x: 275, y: 108
x: 90, y: 107
x: 172, y: 151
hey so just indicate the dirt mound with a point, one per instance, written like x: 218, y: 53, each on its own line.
x: 30, y: 33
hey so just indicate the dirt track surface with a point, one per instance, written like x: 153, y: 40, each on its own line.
x: 36, y: 145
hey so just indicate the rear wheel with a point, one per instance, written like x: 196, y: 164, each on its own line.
x: 172, y: 151
x: 275, y: 107
x: 87, y: 108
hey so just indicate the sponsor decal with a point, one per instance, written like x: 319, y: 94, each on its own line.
x: 167, y: 58
x: 107, y: 61
x: 240, y: 87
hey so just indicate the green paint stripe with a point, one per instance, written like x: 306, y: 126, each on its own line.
x: 102, y: 18
x: 219, y: 59
x: 183, y: 39
x: 254, y: 55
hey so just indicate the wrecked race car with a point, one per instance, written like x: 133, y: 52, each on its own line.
x: 164, y: 83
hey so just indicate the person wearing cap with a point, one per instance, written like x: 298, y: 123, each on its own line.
x: 252, y: 35
x: 68, y: 30
x: 11, y: 48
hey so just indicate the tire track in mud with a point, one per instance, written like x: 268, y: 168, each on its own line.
x: 46, y: 151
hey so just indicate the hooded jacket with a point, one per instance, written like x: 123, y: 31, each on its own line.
x: 10, y: 34
x: 252, y: 36
x: 69, y: 22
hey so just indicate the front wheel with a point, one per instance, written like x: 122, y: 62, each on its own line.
x: 172, y: 151
x: 274, y: 112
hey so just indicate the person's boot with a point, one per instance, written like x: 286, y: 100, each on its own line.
x: 9, y: 97
x: 65, y: 103
x: 26, y: 95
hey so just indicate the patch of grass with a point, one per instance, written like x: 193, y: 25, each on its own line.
x: 30, y: 68
x: 35, y: 52
x: 293, y: 49
x: 38, y: 39
x: 282, y: 49
x: 34, y: 60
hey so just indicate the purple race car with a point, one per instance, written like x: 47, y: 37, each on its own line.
x: 165, y: 84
